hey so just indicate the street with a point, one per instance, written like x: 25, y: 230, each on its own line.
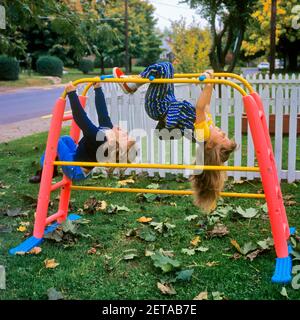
x: 26, y: 104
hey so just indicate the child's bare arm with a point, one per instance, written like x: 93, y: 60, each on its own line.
x: 203, y: 102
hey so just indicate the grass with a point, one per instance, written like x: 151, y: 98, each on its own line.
x: 106, y: 275
x: 35, y: 79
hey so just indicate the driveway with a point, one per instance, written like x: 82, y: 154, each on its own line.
x: 21, y: 111
x: 27, y: 103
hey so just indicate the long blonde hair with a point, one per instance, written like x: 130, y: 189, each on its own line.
x: 208, y: 184
x: 116, y: 153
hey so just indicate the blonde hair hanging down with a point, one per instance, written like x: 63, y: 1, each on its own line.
x: 208, y: 184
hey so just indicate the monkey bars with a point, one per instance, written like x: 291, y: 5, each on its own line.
x: 262, y: 144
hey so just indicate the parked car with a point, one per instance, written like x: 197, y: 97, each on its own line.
x: 279, y: 64
x: 263, y: 66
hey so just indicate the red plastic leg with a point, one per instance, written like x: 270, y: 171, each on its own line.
x: 46, y: 180
x: 268, y: 176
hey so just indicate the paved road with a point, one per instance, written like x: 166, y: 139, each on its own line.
x: 27, y: 103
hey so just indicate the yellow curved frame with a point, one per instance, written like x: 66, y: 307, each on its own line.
x: 178, y: 78
x: 136, y: 80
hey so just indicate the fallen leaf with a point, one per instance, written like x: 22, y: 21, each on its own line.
x: 130, y: 254
x: 248, y: 213
x: 218, y: 295
x: 149, y: 253
x: 147, y: 235
x: 16, y: 212
x: 165, y: 263
x: 195, y: 241
x: 22, y: 229
x: 202, y: 296
x: 115, y: 208
x: 53, y: 294
x: 2, y: 278
x: 219, y: 230
x: 236, y: 245
x: 253, y: 254
x: 168, y: 253
x: 201, y: 249
x: 125, y: 182
x: 101, y: 205
x: 166, y: 288
x: 266, y: 244
x: 189, y: 252
x: 236, y: 256
x: 131, y: 232
x: 296, y: 278
x: 144, y: 219
x: 92, y: 251
x: 191, y: 217
x: 50, y: 263
x: 184, y: 275
x: 212, y: 263
x: 248, y: 247
x: 283, y: 292
x: 35, y: 250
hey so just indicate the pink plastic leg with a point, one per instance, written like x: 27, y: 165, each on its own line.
x: 46, y: 180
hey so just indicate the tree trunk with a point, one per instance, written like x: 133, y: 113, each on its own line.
x: 102, y: 65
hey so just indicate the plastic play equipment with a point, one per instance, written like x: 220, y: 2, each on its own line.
x: 264, y: 153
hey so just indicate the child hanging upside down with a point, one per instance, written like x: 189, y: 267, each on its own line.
x: 104, y: 143
x: 161, y: 105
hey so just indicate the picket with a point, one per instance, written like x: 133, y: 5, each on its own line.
x: 280, y: 96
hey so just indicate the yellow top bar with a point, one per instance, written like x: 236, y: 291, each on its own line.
x: 155, y: 166
x: 218, y: 74
x: 136, y: 80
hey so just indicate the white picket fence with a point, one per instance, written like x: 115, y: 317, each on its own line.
x: 280, y: 96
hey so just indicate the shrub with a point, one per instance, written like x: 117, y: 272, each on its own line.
x: 49, y: 66
x: 9, y: 68
x: 86, y: 66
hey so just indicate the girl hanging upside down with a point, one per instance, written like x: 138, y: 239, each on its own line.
x: 106, y: 143
x: 161, y: 105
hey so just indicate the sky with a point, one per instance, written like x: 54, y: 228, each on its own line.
x: 171, y: 10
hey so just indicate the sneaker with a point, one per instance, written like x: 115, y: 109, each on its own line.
x: 126, y: 87
x: 38, y: 176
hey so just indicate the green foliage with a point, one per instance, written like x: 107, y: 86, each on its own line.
x: 86, y: 66
x: 191, y: 46
x: 226, y: 42
x: 9, y: 68
x: 49, y: 66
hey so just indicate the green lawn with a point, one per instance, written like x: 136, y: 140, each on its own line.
x: 105, y: 274
x: 35, y: 79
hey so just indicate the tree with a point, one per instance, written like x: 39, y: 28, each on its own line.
x: 228, y: 20
x: 144, y: 41
x: 190, y: 45
x: 257, y: 40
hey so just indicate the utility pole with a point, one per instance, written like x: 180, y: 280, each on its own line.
x: 273, y: 36
x: 126, y: 38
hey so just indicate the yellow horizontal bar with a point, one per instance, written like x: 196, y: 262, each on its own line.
x: 159, y: 191
x: 155, y: 166
x: 137, y: 80
x: 218, y: 74
x: 50, y: 115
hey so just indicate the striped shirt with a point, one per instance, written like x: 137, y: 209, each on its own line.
x: 161, y: 103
